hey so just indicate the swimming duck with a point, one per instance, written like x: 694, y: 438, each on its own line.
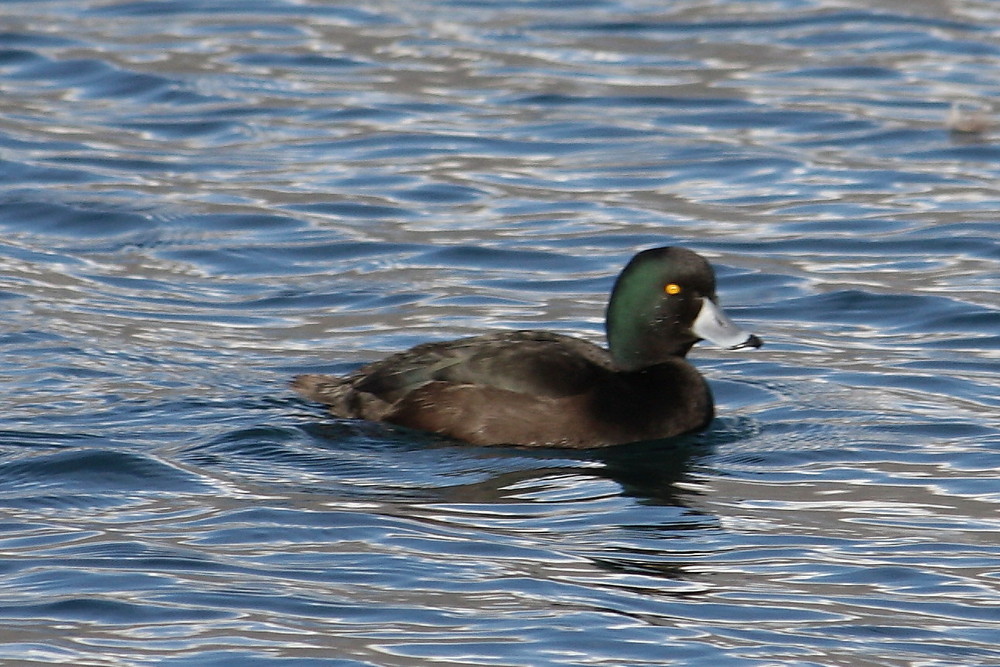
x: 537, y: 388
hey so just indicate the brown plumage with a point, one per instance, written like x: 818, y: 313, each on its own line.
x: 545, y: 389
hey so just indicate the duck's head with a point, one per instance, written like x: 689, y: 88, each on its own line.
x: 663, y: 302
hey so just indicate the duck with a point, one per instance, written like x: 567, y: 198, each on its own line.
x: 543, y: 389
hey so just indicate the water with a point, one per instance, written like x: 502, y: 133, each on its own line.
x: 201, y: 199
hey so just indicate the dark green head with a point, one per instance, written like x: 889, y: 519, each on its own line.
x: 663, y: 303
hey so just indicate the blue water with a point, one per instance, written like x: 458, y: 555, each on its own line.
x: 199, y: 200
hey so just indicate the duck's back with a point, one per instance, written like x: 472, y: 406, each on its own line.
x: 536, y: 363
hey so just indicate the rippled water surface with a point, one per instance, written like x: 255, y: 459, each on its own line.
x: 201, y: 199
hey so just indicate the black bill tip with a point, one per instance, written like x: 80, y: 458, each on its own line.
x: 751, y: 341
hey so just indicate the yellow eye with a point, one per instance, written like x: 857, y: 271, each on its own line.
x: 672, y: 288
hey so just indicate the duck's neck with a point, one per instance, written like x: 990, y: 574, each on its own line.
x: 638, y: 340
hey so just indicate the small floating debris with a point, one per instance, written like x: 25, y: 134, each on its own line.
x: 965, y: 120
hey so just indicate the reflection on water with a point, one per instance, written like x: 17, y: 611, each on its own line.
x: 200, y: 201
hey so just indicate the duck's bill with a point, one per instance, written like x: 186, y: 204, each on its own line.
x: 712, y: 324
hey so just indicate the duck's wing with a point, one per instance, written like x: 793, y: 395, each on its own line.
x: 522, y: 387
x: 494, y: 374
x: 534, y: 363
